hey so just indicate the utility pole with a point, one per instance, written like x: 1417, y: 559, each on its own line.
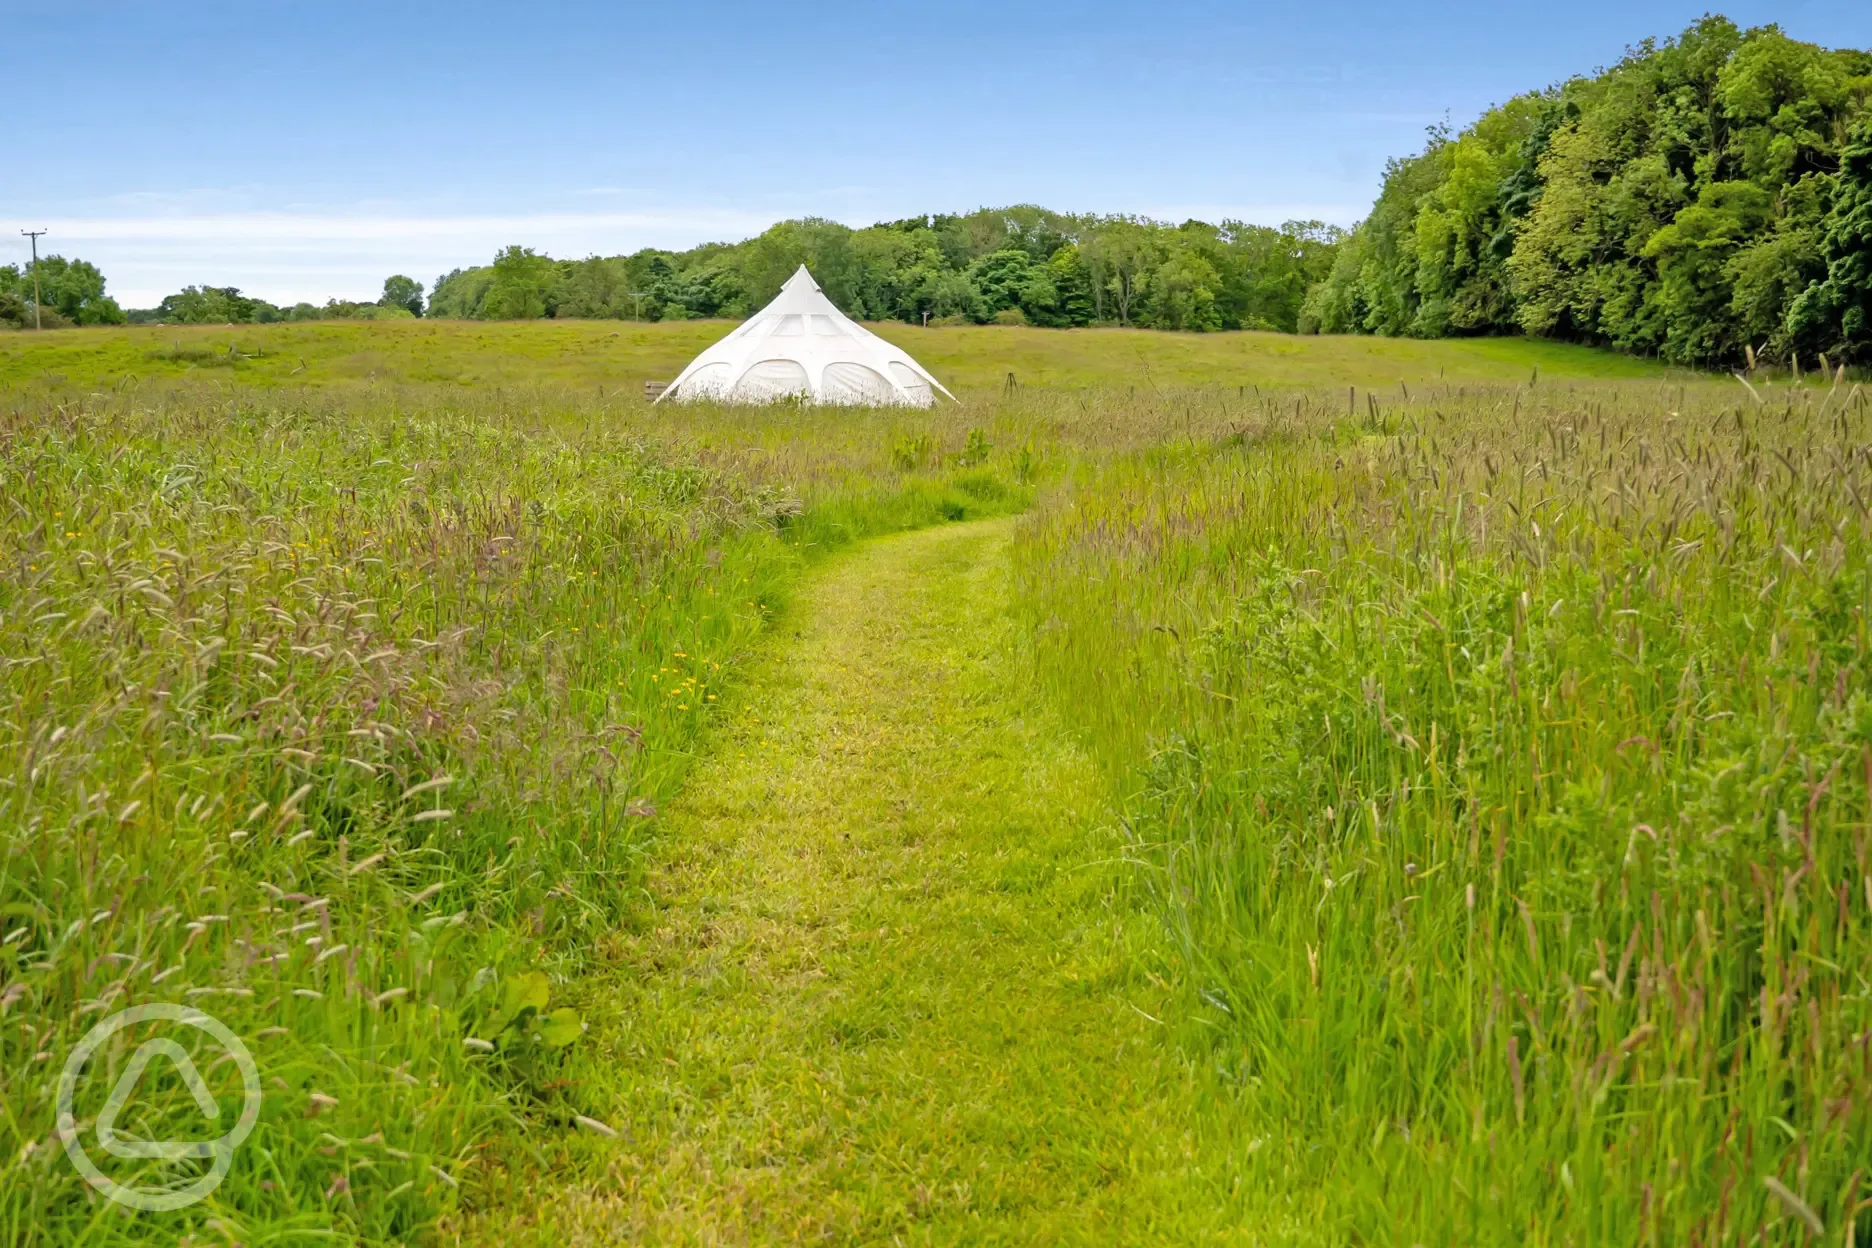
x: 34, y: 235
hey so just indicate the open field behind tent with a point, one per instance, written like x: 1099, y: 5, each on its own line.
x: 614, y: 354
x: 1447, y: 820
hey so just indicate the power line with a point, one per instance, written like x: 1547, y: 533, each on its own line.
x: 35, y: 235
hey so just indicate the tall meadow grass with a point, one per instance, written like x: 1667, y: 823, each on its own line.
x: 1502, y: 762
x: 1499, y: 757
x: 342, y: 717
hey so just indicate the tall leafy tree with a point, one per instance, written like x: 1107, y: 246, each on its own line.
x: 523, y: 286
x: 1119, y: 255
x: 1674, y: 204
x: 1003, y: 277
x: 403, y: 292
x: 1072, y: 286
x: 215, y: 305
x: 1182, y: 292
x: 71, y: 290
x: 1835, y: 314
x: 824, y: 247
x: 461, y: 292
x: 1695, y: 294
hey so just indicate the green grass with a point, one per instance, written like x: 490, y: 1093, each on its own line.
x: 337, y: 721
x: 1505, y: 775
x: 1435, y: 813
x: 888, y: 994
x: 618, y: 356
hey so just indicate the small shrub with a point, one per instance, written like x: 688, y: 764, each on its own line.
x: 912, y: 453
x: 1024, y: 463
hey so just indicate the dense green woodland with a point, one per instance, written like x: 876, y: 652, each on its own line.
x: 1704, y: 198
x: 1022, y: 264
x: 1707, y: 200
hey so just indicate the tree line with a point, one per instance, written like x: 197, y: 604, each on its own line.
x: 1707, y: 200
x: 219, y: 305
x: 71, y: 292
x: 1019, y: 265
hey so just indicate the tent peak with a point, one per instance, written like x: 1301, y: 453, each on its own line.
x: 801, y: 346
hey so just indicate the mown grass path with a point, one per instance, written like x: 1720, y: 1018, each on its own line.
x: 888, y: 996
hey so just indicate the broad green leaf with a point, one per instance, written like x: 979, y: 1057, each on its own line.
x: 561, y: 1027
x: 525, y: 991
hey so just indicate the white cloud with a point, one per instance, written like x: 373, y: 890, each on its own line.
x: 300, y: 228
x: 285, y: 257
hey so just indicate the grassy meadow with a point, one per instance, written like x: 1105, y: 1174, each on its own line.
x: 1504, y: 773
x: 1485, y: 760
x: 343, y: 723
x: 617, y: 356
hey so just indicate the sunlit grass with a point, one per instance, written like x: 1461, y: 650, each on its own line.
x: 1502, y: 769
x: 340, y: 721
x: 614, y: 358
x: 1493, y: 749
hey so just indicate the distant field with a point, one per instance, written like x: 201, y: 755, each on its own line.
x: 626, y: 353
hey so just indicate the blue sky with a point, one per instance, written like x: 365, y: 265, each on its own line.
x: 306, y: 150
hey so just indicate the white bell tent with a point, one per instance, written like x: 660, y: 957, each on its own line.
x: 801, y: 346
